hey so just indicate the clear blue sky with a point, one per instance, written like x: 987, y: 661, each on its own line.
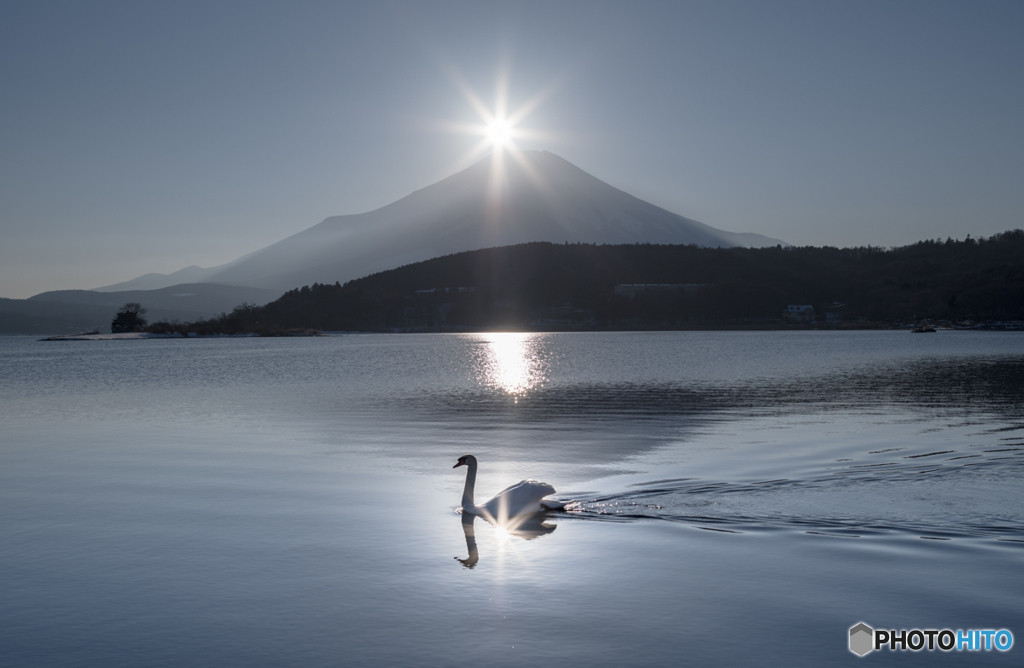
x: 147, y: 136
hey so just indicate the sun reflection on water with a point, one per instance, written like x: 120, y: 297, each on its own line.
x: 512, y: 362
x: 501, y: 533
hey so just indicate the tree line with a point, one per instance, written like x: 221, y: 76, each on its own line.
x: 545, y: 285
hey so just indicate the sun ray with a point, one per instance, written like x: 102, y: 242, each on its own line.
x: 501, y: 98
x: 481, y: 109
x: 528, y: 107
x: 528, y: 169
x: 472, y: 155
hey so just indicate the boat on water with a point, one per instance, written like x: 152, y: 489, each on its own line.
x: 923, y: 329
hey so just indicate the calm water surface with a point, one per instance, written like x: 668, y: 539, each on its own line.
x: 737, y: 498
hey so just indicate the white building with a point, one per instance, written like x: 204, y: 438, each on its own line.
x: 799, y: 312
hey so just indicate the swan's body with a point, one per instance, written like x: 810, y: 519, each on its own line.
x: 524, y: 498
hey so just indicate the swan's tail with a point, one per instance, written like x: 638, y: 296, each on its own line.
x: 552, y: 504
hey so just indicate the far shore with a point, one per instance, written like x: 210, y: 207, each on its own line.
x: 750, y: 327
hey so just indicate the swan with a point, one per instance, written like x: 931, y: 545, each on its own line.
x: 523, y: 498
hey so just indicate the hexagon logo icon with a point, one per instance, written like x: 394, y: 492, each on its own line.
x: 862, y: 639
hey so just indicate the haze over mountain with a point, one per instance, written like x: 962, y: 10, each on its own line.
x: 154, y: 281
x: 71, y: 311
x: 541, y: 197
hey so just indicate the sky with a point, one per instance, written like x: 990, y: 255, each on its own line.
x: 142, y: 137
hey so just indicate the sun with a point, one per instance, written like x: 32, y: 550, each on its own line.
x: 499, y: 127
x: 499, y: 132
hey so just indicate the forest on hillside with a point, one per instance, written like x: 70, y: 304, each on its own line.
x: 580, y: 286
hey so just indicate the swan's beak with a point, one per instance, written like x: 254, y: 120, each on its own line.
x: 458, y: 465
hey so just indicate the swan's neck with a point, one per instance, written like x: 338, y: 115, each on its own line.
x: 467, y: 493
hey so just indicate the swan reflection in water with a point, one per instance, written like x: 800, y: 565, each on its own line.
x: 526, y: 527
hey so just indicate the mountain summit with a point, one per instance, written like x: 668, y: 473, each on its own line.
x: 492, y: 203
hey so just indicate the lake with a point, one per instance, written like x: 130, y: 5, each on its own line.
x: 736, y: 498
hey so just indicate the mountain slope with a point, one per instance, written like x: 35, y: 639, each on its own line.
x: 540, y: 198
x: 191, y: 274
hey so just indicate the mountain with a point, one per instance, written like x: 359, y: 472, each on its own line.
x: 192, y: 274
x: 73, y: 311
x: 193, y: 298
x: 541, y: 197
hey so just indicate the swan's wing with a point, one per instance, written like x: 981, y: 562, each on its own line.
x: 522, y: 497
x: 532, y: 490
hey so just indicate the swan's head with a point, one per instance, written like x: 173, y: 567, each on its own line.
x: 465, y: 460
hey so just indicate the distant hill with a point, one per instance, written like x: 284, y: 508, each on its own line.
x: 73, y: 311
x: 575, y: 286
x: 191, y: 274
x: 540, y: 198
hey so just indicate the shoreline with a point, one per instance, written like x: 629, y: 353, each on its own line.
x: 767, y: 327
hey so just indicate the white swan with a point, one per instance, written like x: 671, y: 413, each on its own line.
x: 524, y: 498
